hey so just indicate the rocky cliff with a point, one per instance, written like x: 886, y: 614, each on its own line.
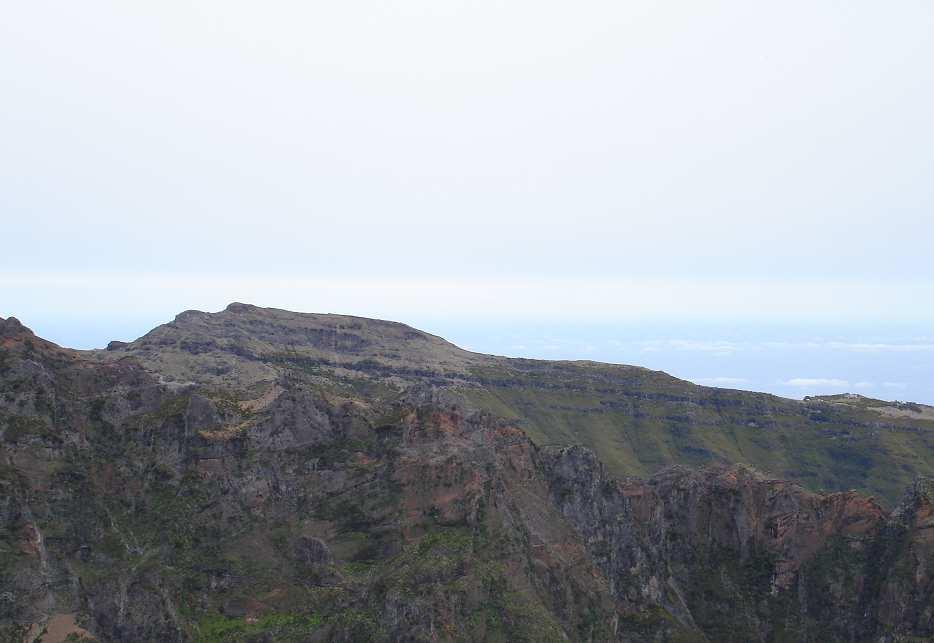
x: 260, y: 475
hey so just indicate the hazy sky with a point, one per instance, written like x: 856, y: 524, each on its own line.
x: 583, y: 163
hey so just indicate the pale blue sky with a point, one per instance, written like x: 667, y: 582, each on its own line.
x: 468, y: 166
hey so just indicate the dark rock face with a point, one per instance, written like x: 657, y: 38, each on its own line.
x: 322, y: 507
x: 312, y: 551
x: 742, y: 557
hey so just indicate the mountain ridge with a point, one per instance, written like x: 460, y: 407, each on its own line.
x: 637, y: 420
x: 362, y: 498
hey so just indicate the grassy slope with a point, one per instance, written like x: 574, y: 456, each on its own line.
x: 640, y: 421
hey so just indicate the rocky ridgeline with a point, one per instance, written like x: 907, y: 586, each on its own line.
x: 637, y: 421
x: 310, y: 502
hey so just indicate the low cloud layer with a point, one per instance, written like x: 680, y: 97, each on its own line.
x: 722, y: 346
x: 720, y: 381
x: 817, y: 382
x: 582, y: 300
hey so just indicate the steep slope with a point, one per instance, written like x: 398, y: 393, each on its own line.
x: 744, y: 557
x: 638, y: 421
x: 318, y: 507
x: 641, y: 421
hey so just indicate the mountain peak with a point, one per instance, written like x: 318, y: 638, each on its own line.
x: 11, y: 327
x: 14, y: 333
x: 244, y: 345
x: 237, y: 307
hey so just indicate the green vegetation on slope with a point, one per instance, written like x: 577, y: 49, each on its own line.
x: 639, y: 421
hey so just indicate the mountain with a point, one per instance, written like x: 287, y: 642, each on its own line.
x: 637, y: 421
x: 257, y: 475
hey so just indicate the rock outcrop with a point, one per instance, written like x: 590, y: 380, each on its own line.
x: 744, y: 557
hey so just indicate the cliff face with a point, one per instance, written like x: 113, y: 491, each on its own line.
x: 353, y: 497
x: 743, y: 557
